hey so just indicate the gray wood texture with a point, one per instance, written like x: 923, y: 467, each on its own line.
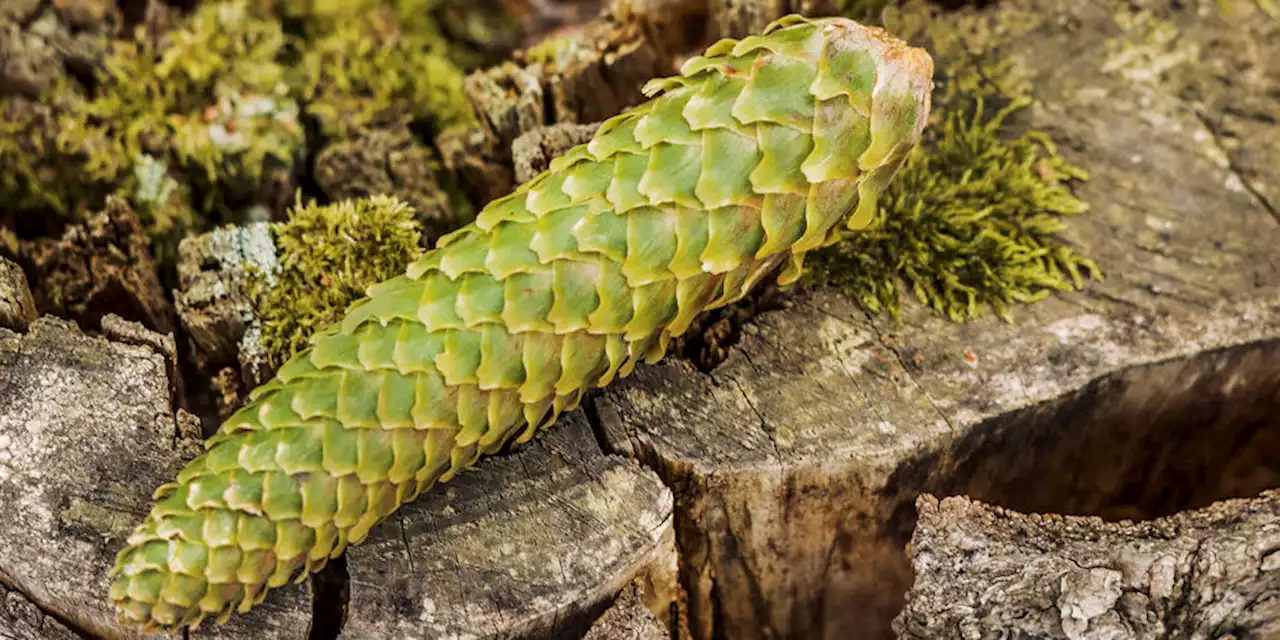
x: 87, y: 432
x: 983, y: 571
x: 628, y: 619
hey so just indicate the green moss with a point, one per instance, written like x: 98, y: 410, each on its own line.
x: 215, y: 101
x: 970, y: 222
x: 380, y: 66
x: 41, y: 176
x: 209, y: 113
x: 329, y: 256
x: 1268, y: 6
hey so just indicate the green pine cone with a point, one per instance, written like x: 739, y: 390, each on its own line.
x: 747, y: 160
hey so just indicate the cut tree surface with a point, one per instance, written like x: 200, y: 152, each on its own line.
x: 983, y: 570
x: 87, y: 432
x: 795, y: 463
x: 628, y: 619
x: 529, y: 545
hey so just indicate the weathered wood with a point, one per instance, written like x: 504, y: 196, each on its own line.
x: 983, y: 571
x: 479, y: 162
x: 795, y: 463
x: 740, y: 18
x: 87, y: 432
x: 628, y: 619
x: 214, y: 304
x: 21, y: 620
x: 99, y: 267
x: 17, y: 307
x: 532, y: 151
x: 387, y: 161
x: 585, y: 74
x: 529, y: 545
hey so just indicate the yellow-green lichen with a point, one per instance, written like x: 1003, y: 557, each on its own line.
x: 329, y: 256
x: 1267, y: 6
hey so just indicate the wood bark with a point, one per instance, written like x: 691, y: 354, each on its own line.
x: 387, y: 161
x: 983, y: 571
x: 532, y: 151
x: 213, y: 301
x: 583, y: 75
x: 795, y: 463
x: 101, y: 266
x: 17, y: 307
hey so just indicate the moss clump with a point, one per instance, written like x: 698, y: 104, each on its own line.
x: 215, y: 97
x: 37, y: 175
x: 1267, y: 6
x: 970, y: 222
x: 186, y: 131
x: 371, y: 62
x: 329, y: 256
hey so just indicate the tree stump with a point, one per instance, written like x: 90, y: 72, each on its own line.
x: 983, y: 571
x: 795, y: 463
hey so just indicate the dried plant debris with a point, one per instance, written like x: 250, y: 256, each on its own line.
x: 329, y: 256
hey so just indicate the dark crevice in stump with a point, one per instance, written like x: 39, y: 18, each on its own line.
x: 331, y: 588
x: 1139, y: 445
x: 1142, y: 444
